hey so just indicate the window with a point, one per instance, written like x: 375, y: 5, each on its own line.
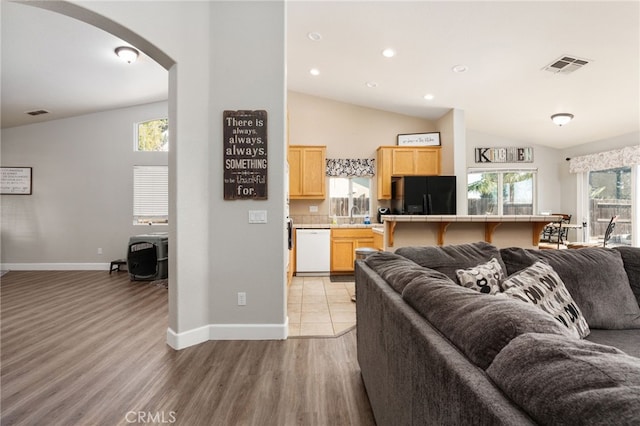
x: 610, y: 195
x: 150, y: 195
x: 152, y: 135
x: 501, y: 192
x: 346, y: 193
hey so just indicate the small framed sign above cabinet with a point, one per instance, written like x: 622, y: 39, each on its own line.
x: 419, y: 139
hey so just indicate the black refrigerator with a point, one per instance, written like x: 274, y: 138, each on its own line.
x: 431, y: 195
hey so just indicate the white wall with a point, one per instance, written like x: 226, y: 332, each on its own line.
x: 548, y: 161
x: 82, y: 189
x: 348, y: 131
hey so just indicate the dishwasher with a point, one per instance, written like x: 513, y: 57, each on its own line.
x: 313, y: 252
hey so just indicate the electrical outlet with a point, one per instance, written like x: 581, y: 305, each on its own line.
x: 313, y: 209
x: 242, y: 298
x: 99, y: 250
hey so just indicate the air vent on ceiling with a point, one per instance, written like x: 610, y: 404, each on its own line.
x: 566, y: 65
x: 37, y: 112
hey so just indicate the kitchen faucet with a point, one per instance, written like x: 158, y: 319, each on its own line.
x: 351, y: 220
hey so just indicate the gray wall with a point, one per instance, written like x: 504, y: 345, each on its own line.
x: 82, y: 189
x: 214, y: 252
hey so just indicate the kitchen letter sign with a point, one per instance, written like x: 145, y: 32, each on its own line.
x: 504, y: 155
x: 245, y: 155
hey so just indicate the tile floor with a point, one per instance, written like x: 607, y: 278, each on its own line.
x: 318, y: 307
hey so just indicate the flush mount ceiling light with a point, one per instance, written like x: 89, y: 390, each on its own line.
x: 388, y: 53
x: 314, y: 36
x: 459, y: 68
x: 127, y: 54
x: 562, y: 118
x: 314, y: 72
x: 429, y: 97
x: 371, y: 84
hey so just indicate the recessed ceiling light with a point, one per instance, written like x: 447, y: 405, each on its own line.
x: 314, y: 36
x: 314, y: 71
x: 371, y: 84
x: 460, y: 68
x: 388, y: 53
x: 429, y: 97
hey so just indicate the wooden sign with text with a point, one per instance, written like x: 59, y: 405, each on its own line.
x: 245, y: 155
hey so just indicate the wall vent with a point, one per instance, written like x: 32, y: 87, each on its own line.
x: 37, y: 112
x: 566, y: 64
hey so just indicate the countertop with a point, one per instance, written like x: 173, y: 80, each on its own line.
x: 331, y: 225
x: 470, y: 218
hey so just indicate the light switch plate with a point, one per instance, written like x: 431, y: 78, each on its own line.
x: 257, y: 216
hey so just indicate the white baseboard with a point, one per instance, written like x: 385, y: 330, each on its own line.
x: 227, y: 332
x: 54, y: 266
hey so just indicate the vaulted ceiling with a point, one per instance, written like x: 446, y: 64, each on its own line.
x: 55, y: 63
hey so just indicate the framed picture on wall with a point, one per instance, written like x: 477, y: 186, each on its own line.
x: 15, y: 180
x: 419, y: 139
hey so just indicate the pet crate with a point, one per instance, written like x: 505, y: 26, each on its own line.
x: 147, y: 257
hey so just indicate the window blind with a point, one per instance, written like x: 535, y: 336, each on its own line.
x: 150, y: 192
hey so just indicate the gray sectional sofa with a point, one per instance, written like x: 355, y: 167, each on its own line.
x: 434, y: 352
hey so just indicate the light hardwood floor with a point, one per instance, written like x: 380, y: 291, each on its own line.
x: 88, y: 348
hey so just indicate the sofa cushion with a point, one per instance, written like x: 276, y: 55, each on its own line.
x: 631, y: 260
x: 484, y: 278
x: 480, y: 325
x: 569, y: 382
x: 628, y: 341
x: 398, y: 271
x: 595, y: 278
x: 541, y: 286
x: 447, y: 259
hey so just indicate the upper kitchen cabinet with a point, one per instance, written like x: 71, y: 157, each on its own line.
x: 307, y: 170
x: 405, y: 161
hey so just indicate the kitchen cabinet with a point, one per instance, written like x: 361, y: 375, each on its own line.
x: 405, y: 161
x: 344, y: 242
x: 307, y: 172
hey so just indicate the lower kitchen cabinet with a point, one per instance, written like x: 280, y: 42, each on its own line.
x: 344, y: 242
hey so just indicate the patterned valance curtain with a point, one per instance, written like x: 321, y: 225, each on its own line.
x: 350, y: 167
x: 627, y: 156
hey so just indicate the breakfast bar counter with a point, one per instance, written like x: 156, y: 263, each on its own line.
x: 501, y: 231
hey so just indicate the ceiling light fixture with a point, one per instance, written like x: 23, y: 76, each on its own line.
x: 562, y: 118
x: 314, y: 72
x: 371, y: 84
x: 460, y: 68
x: 429, y: 97
x: 388, y: 53
x: 127, y: 54
x: 314, y: 36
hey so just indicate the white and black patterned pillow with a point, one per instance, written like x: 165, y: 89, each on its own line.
x: 541, y: 286
x: 485, y: 278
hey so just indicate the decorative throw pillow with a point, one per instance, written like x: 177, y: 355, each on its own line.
x: 485, y: 278
x: 541, y: 286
